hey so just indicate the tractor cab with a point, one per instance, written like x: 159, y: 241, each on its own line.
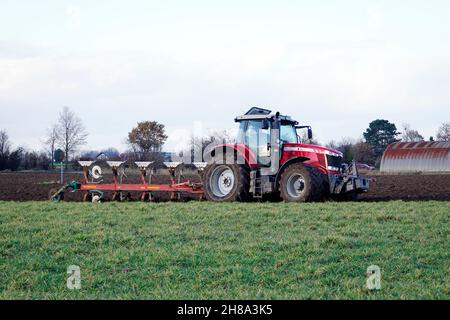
x: 266, y: 134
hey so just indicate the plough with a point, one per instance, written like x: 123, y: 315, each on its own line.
x: 94, y: 188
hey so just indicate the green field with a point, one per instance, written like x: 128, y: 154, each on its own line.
x: 201, y: 250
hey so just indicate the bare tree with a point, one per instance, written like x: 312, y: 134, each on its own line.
x: 345, y: 145
x: 51, y: 142
x: 411, y: 135
x: 305, y: 139
x: 71, y: 133
x: 332, y: 145
x: 443, y: 133
x: 352, y: 149
x: 5, y: 145
x: 363, y: 153
x: 198, y: 145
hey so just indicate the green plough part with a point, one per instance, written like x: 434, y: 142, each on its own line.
x: 59, y: 194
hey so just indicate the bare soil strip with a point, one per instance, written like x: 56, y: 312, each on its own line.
x: 26, y: 186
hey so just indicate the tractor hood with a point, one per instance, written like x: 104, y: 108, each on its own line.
x: 311, y: 148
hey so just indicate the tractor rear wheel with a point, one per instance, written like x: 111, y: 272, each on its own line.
x: 301, y: 183
x: 226, y: 182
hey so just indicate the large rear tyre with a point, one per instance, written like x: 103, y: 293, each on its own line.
x: 226, y: 182
x: 301, y: 183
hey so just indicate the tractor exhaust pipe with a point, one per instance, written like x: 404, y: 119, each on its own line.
x: 274, y: 148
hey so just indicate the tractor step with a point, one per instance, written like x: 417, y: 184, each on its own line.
x: 255, y: 184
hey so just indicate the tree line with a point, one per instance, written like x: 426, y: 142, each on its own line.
x: 62, y: 140
x: 370, y: 148
x: 65, y: 138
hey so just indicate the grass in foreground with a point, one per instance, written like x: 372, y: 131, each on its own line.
x: 202, y: 250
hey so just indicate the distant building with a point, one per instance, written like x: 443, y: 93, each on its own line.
x: 400, y: 157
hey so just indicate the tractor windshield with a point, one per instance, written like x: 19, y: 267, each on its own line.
x: 288, y: 133
x: 249, y: 129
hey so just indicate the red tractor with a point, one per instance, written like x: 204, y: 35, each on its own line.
x: 268, y: 159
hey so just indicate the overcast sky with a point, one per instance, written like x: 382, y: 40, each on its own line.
x: 336, y: 65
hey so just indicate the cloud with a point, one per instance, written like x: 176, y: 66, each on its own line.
x: 338, y: 87
x: 18, y: 50
x: 18, y: 76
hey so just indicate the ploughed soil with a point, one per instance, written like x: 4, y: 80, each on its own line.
x: 27, y: 186
x: 409, y: 187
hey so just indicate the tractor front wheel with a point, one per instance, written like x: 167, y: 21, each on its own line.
x: 301, y: 183
x: 226, y: 182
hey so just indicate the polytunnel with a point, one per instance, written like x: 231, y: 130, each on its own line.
x: 400, y: 157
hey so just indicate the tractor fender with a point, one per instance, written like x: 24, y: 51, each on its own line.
x: 286, y: 165
x: 240, y: 152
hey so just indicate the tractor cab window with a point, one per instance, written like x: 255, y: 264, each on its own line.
x: 288, y: 133
x: 253, y: 134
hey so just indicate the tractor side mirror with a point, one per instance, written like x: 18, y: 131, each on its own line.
x: 266, y: 125
x: 310, y: 133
